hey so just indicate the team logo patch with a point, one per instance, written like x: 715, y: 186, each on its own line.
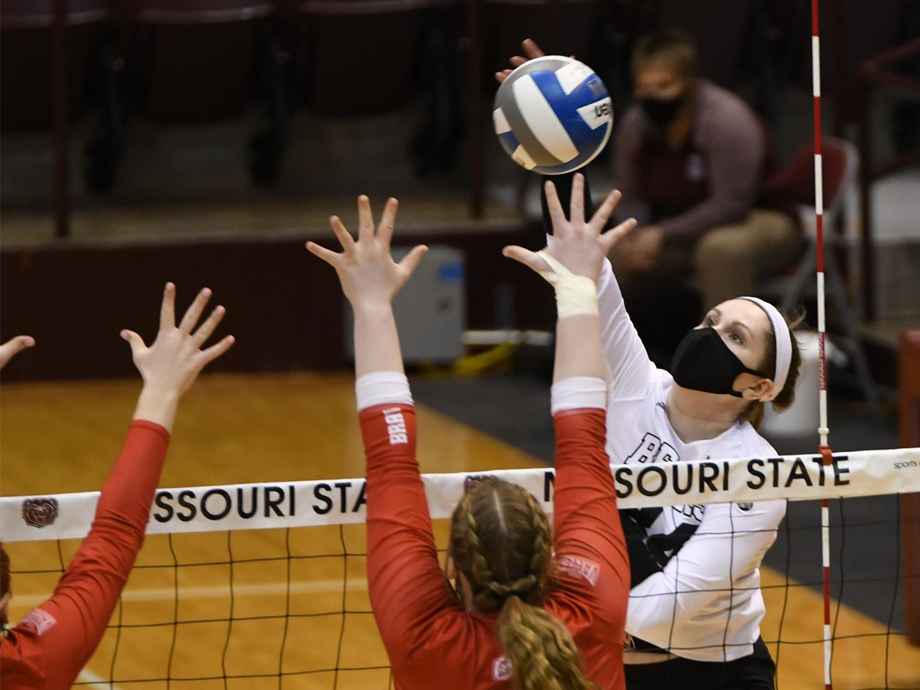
x: 578, y: 568
x: 744, y: 507
x: 39, y: 512
x: 501, y: 668
x: 39, y: 620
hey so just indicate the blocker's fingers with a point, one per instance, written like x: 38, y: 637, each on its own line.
x: 330, y: 257
x: 388, y: 221
x: 365, y: 219
x: 530, y: 259
x: 135, y: 341
x: 14, y: 346
x: 207, y: 328
x: 531, y: 49
x: 602, y: 215
x: 344, y: 237
x: 412, y: 260
x: 610, y: 238
x: 168, y: 307
x: 577, y: 202
x: 517, y: 61
x: 556, y: 214
x: 194, y: 312
x: 501, y: 76
x: 218, y: 349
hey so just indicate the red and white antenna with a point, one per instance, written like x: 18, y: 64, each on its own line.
x: 823, y: 429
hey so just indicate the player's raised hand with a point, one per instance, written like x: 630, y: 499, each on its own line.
x: 531, y: 50
x: 365, y: 268
x: 13, y: 347
x: 172, y: 363
x: 578, y: 244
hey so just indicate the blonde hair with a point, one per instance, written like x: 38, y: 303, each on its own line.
x: 783, y: 401
x: 673, y: 47
x: 6, y: 583
x: 501, y: 542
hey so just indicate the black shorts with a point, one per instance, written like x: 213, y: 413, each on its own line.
x: 754, y: 672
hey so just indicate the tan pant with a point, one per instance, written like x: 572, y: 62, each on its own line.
x: 727, y: 260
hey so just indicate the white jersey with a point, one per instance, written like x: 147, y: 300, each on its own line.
x: 715, y: 550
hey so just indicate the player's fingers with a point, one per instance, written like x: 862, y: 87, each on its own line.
x: 531, y: 49
x: 207, y: 328
x: 365, y: 219
x: 329, y: 256
x: 168, y: 307
x: 610, y: 238
x: 412, y: 260
x: 501, y: 76
x: 194, y: 312
x: 555, y: 210
x: 344, y: 237
x: 388, y: 222
x: 517, y: 61
x: 217, y: 349
x: 577, y: 202
x: 14, y: 346
x: 135, y: 341
x: 602, y: 215
x: 530, y: 259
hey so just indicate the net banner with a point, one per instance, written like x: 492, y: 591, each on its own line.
x: 343, y: 501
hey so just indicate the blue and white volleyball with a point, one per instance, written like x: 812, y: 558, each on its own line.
x: 553, y: 115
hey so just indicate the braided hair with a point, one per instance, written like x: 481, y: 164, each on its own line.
x: 501, y: 542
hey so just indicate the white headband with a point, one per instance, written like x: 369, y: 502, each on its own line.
x: 783, y: 344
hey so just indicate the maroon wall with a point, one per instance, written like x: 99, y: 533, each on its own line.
x: 284, y: 306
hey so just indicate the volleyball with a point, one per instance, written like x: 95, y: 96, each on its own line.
x: 553, y: 115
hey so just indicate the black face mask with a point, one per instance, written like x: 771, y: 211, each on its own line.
x: 703, y: 362
x: 660, y: 112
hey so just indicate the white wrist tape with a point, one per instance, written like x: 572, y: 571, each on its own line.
x: 579, y: 393
x: 574, y: 294
x: 381, y: 388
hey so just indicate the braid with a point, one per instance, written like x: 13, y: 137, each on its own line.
x: 542, y: 541
x: 502, y: 543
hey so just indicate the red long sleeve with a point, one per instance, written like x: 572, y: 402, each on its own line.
x: 51, y: 645
x: 591, y: 555
x: 430, y: 640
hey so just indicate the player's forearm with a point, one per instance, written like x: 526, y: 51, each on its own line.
x: 158, y: 405
x: 376, y: 340
x: 129, y: 488
x: 578, y: 348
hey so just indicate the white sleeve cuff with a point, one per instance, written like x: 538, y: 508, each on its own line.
x: 382, y: 387
x: 578, y: 393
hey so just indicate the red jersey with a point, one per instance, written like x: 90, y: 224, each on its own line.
x: 431, y: 641
x: 49, y: 648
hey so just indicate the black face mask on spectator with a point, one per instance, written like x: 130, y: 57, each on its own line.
x: 703, y: 362
x: 661, y: 111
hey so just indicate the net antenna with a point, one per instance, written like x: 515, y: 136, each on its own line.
x: 823, y: 429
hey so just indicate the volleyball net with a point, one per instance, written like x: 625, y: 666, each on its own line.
x: 263, y: 585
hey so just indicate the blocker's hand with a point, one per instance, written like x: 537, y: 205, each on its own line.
x: 171, y: 365
x: 531, y: 50
x: 13, y: 347
x: 368, y: 274
x: 577, y: 244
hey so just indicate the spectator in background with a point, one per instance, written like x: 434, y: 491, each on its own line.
x: 691, y: 161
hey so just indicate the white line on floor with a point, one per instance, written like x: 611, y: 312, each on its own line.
x: 220, y: 591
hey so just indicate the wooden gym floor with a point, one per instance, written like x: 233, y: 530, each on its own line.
x: 63, y: 437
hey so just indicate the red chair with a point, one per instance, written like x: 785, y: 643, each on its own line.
x: 356, y: 58
x: 495, y: 29
x: 796, y: 182
x: 194, y: 61
x: 26, y: 68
